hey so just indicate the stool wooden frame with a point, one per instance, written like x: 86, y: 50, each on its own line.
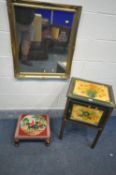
x: 42, y: 137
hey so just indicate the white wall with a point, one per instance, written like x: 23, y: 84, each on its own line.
x: 94, y: 59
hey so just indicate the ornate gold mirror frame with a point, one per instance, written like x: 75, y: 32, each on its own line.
x: 42, y: 37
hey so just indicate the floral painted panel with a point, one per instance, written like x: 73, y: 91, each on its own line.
x: 91, y: 90
x: 86, y: 114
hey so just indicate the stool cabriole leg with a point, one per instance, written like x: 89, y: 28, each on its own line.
x: 48, y: 141
x: 16, y: 142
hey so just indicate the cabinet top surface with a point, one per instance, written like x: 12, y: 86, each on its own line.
x: 91, y: 92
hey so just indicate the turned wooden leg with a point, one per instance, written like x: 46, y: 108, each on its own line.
x: 48, y: 141
x: 16, y: 142
x: 101, y: 129
x: 62, y: 129
x: 64, y: 120
x: 96, y: 138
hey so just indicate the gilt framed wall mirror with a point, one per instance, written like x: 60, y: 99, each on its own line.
x: 43, y: 38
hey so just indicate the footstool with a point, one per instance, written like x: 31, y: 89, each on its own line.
x: 32, y: 127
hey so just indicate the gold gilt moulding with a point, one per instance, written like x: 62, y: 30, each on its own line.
x: 43, y: 38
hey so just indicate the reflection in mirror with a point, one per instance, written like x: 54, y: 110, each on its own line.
x: 43, y: 40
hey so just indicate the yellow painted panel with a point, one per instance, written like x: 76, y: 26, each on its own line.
x: 86, y: 114
x: 91, y: 90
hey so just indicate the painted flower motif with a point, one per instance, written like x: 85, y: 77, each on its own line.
x: 86, y: 114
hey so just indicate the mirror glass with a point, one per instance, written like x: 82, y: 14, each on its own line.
x: 43, y: 37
